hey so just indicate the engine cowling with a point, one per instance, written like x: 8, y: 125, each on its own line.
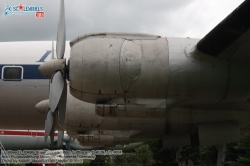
x: 101, y: 140
x: 107, y: 125
x: 203, y: 134
x: 108, y: 65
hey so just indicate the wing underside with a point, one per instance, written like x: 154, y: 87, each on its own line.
x: 230, y: 38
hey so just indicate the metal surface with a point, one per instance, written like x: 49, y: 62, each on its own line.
x: 49, y: 122
x: 56, y: 90
x: 58, y: 81
x: 61, y: 33
x: 17, y: 104
x: 60, y: 138
x: 62, y: 105
x: 119, y: 68
x: 130, y: 86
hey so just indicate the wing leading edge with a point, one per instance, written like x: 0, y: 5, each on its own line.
x: 231, y: 36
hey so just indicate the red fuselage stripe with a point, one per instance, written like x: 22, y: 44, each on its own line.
x: 23, y: 133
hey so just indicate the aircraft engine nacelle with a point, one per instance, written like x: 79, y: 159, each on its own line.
x: 101, y: 140
x: 107, y: 65
x: 218, y: 133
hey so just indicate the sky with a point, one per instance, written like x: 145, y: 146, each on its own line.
x: 170, y: 18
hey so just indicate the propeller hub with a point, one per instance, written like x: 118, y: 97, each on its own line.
x: 66, y: 137
x: 50, y: 67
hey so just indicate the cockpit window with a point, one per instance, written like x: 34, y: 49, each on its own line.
x: 12, y: 73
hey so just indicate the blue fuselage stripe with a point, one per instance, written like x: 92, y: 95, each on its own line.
x: 29, y: 71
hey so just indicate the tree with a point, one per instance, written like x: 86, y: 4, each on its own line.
x: 142, y: 155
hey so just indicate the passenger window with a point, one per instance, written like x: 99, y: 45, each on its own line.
x: 12, y: 73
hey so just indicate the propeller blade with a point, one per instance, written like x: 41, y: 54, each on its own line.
x: 68, y: 145
x: 53, y: 51
x: 61, y: 33
x: 60, y: 138
x: 56, y: 89
x: 52, y: 133
x: 58, y: 85
x: 62, y: 105
x: 48, y: 124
